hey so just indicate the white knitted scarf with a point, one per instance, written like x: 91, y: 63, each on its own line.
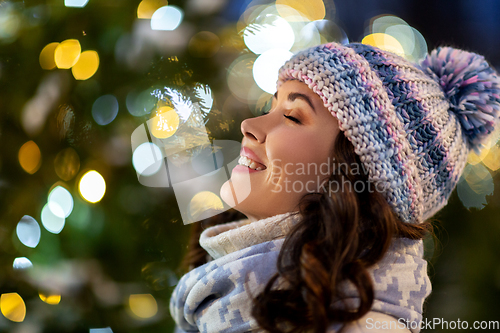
x: 217, y: 297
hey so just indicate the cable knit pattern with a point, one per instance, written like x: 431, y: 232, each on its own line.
x: 217, y: 297
x: 398, y: 118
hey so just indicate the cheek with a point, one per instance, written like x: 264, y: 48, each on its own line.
x: 304, y: 148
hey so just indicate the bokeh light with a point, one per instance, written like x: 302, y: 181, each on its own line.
x: 411, y: 40
x: 30, y: 157
x: 165, y: 123
x: 53, y: 218
x: 67, y: 164
x: 268, y: 32
x: 28, y: 231
x: 385, y: 42
x: 101, y: 330
x: 52, y: 299
x: 105, y: 109
x: 492, y: 159
x: 474, y: 158
x: 240, y: 77
x: 67, y: 53
x: 166, y: 18
x: 86, y: 66
x: 266, y: 67
x: 380, y: 23
x: 319, y: 32
x: 140, y: 103
x: 312, y: 9
x: 475, y: 184
x: 10, y: 22
x: 60, y: 197
x: 92, y: 186
x: 204, y: 201
x: 204, y: 44
x: 146, y: 8
x: 46, y: 58
x: 147, y: 159
x: 76, y: 3
x: 143, y: 305
x: 12, y: 307
x: 22, y: 263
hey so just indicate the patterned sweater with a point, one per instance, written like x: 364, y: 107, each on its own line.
x: 217, y: 297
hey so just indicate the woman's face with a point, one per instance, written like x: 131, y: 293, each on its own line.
x: 285, y: 153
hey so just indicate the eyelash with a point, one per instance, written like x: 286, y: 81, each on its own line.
x: 295, y: 120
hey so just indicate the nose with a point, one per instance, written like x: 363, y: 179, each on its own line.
x: 254, y: 129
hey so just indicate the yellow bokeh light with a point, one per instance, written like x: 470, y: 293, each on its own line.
x: 143, y: 305
x: 165, y: 123
x: 385, y: 42
x: 147, y: 8
x: 52, y: 299
x: 474, y: 158
x: 86, y: 66
x: 475, y: 176
x: 67, y: 53
x: 204, y: 201
x: 492, y: 159
x: 13, y: 307
x: 313, y: 9
x: 47, y: 56
x: 92, y: 186
x: 30, y: 157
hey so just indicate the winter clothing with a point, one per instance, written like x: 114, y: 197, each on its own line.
x: 217, y: 297
x: 412, y: 125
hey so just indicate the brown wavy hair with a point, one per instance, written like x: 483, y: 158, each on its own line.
x: 340, y: 235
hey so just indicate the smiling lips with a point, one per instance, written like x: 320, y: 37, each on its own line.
x: 250, y: 160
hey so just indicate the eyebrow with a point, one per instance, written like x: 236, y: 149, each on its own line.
x: 294, y: 95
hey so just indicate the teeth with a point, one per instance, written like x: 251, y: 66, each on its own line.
x: 248, y: 163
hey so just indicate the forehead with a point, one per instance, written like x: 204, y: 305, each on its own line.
x: 295, y: 85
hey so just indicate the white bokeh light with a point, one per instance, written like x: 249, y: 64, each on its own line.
x: 28, y: 231
x: 53, y: 222
x: 268, y: 32
x: 147, y: 159
x: 76, y: 3
x: 92, y: 186
x: 166, y: 18
x: 61, y: 196
x: 22, y: 263
x: 266, y: 67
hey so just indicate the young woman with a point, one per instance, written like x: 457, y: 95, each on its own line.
x: 359, y: 149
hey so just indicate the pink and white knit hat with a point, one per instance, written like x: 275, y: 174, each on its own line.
x: 412, y: 125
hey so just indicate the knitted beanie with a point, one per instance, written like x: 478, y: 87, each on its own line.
x: 412, y: 125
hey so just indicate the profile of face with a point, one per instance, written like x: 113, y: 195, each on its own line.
x: 285, y: 153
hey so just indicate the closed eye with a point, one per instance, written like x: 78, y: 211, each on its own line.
x: 295, y: 120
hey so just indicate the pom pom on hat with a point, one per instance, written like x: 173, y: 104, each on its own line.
x: 472, y: 88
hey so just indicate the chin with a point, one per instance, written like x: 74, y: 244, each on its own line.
x: 227, y: 194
